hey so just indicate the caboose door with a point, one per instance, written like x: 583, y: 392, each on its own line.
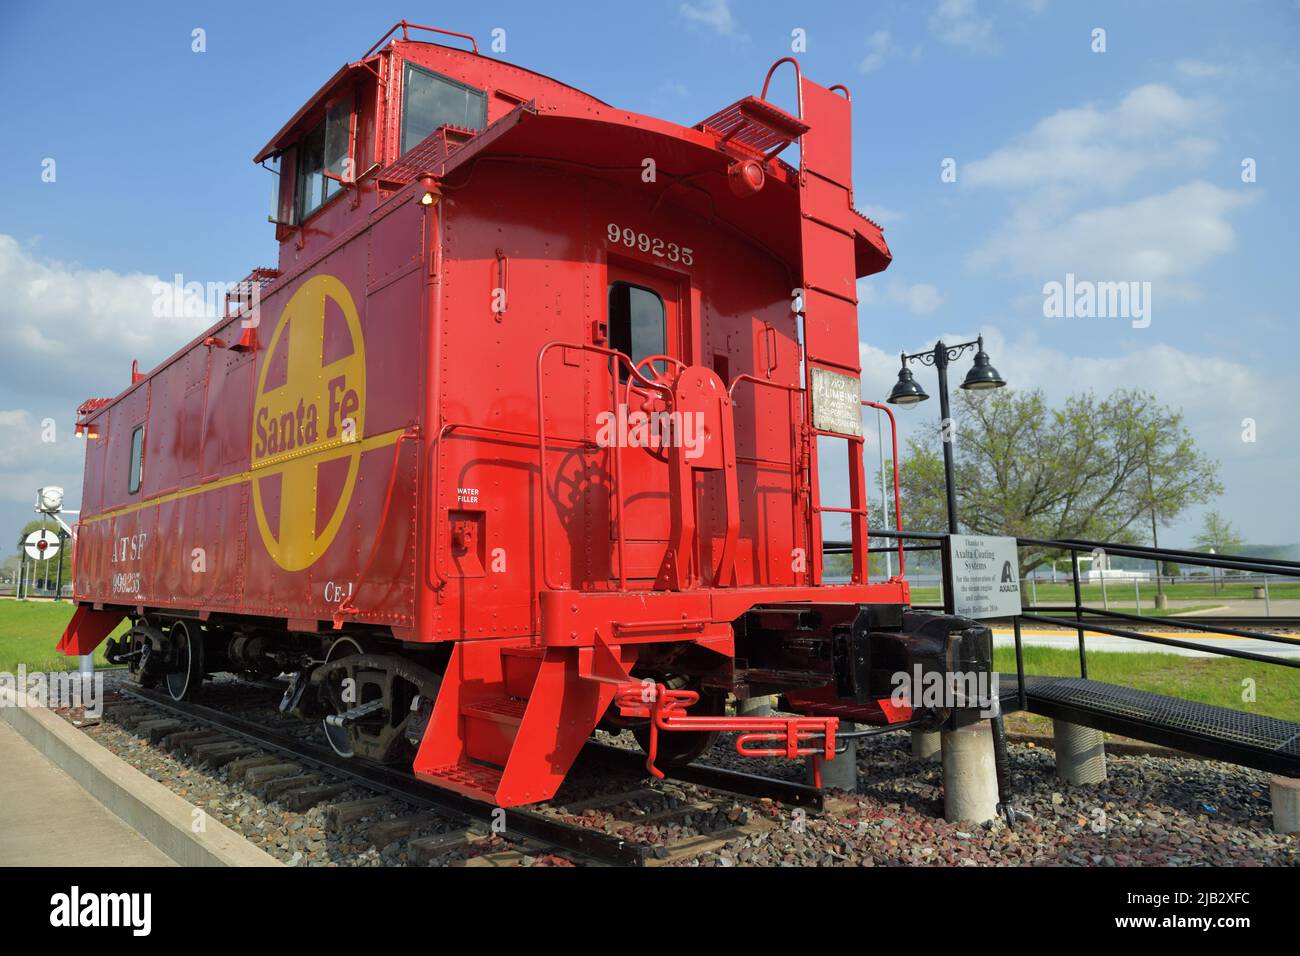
x: 646, y: 316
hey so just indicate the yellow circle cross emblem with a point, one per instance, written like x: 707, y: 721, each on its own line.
x: 315, y: 416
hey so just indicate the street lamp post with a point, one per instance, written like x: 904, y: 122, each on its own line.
x: 907, y: 391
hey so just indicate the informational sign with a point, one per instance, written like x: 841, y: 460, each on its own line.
x: 41, y: 545
x: 836, y: 402
x: 985, y: 575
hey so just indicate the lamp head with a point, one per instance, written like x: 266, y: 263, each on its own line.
x: 907, y: 390
x: 982, y: 375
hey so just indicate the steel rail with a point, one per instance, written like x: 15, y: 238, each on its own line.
x: 599, y: 846
x: 716, y: 778
x: 1084, y: 626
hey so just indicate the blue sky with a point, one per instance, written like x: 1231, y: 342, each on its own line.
x: 1122, y: 165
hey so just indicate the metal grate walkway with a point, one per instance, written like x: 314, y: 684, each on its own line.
x: 1251, y: 740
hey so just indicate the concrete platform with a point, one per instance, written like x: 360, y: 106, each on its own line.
x: 47, y: 819
x: 146, y: 808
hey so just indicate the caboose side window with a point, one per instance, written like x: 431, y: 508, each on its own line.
x: 430, y: 100
x: 324, y: 159
x: 637, y: 325
x: 137, y: 460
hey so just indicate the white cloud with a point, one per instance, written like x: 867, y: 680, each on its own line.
x: 1213, y: 394
x: 29, y: 460
x: 958, y: 23
x: 879, y: 46
x: 918, y: 298
x: 1156, y: 238
x: 71, y: 334
x: 1199, y: 69
x: 1069, y: 166
x: 882, y: 215
x: 1092, y: 147
x: 73, y: 327
x: 715, y: 14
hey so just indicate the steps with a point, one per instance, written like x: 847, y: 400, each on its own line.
x: 469, y: 779
x: 1220, y: 733
x: 509, y: 721
x: 507, y: 711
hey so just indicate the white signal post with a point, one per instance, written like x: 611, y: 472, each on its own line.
x: 49, y: 502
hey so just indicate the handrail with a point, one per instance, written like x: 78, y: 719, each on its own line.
x: 1182, y: 623
x: 1079, y: 609
x: 898, y: 504
x: 1142, y: 550
x: 798, y: 82
x: 1172, y: 642
x: 405, y: 26
x: 623, y: 359
x: 792, y: 390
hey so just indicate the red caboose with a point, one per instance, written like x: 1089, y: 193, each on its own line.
x: 520, y: 436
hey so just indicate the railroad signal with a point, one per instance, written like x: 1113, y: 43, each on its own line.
x: 41, y: 545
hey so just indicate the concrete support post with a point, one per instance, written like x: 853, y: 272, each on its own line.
x: 754, y: 707
x: 842, y: 772
x: 970, y: 778
x: 925, y: 745
x: 1286, y: 804
x: 1080, y: 753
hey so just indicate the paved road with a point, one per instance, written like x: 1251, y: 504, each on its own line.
x: 1105, y: 642
x: 1286, y: 607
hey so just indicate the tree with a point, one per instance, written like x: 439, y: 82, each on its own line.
x: 1094, y: 468
x: 1217, y: 535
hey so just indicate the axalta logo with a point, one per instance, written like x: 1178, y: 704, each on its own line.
x: 307, y: 423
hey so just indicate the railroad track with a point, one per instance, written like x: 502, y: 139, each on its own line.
x: 300, y: 774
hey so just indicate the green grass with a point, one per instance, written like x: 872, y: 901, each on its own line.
x: 29, y: 632
x: 1208, y: 680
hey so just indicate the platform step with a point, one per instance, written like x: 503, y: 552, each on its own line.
x: 1251, y: 740
x: 869, y: 713
x: 470, y: 779
x: 502, y: 710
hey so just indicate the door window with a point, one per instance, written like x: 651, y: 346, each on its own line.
x: 637, y: 322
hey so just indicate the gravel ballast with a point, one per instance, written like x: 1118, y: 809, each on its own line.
x: 1151, y: 811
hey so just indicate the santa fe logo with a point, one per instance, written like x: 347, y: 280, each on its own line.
x: 309, y: 411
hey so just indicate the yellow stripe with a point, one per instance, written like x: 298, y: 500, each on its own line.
x: 365, y: 445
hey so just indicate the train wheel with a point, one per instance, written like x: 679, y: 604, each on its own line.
x: 140, y: 656
x: 680, y: 747
x: 376, y: 705
x: 338, y: 736
x: 184, y: 673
